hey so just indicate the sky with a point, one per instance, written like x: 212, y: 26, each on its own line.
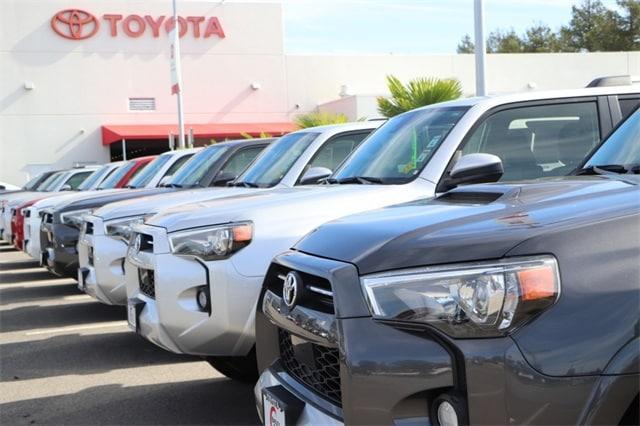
x: 406, y: 26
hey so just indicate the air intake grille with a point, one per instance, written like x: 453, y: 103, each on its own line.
x: 320, y: 371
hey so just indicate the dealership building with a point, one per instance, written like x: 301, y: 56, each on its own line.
x: 88, y: 81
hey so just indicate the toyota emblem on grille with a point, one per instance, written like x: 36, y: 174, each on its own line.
x: 75, y: 24
x: 291, y: 289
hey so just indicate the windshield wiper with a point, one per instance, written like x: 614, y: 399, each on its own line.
x: 244, y: 184
x: 172, y: 185
x: 130, y: 187
x: 363, y: 180
x: 603, y: 169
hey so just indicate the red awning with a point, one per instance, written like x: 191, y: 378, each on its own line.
x: 115, y: 133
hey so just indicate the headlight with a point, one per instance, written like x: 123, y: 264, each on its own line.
x: 121, y: 228
x: 466, y: 300
x: 217, y: 242
x: 74, y: 217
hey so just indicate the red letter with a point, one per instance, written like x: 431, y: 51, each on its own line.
x: 155, y: 25
x: 214, y: 27
x: 126, y: 26
x: 195, y: 20
x: 169, y: 24
x: 112, y: 23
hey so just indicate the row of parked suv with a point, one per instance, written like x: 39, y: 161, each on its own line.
x: 469, y: 262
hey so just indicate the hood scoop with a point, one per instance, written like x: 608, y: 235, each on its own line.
x: 469, y: 197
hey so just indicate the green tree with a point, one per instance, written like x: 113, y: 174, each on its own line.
x: 417, y: 93
x: 504, y: 42
x: 466, y: 45
x: 592, y: 28
x: 540, y: 38
x: 314, y: 119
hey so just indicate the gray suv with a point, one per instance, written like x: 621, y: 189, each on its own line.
x: 506, y: 303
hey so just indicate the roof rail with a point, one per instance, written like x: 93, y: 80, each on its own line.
x: 613, y: 80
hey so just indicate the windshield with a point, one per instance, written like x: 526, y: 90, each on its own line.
x: 94, y: 178
x: 275, y: 161
x: 51, y: 182
x: 116, y: 176
x: 145, y: 176
x: 397, y: 151
x: 33, y: 183
x: 621, y: 148
x: 197, y: 167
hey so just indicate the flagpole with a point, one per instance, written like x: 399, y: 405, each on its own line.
x: 176, y: 68
x: 480, y: 48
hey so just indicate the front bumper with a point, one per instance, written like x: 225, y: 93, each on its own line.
x: 59, y: 248
x: 171, y: 317
x: 32, y: 234
x: 102, y: 260
x: 5, y: 224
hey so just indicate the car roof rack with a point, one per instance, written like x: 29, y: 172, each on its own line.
x: 614, y: 80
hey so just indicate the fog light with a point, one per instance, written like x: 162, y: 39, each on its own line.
x: 447, y: 414
x: 202, y: 297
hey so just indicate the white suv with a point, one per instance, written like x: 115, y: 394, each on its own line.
x: 194, y: 272
x: 295, y: 159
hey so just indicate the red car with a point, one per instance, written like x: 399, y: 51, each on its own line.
x: 17, y: 224
x: 126, y: 172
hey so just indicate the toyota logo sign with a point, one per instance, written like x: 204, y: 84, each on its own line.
x: 75, y: 24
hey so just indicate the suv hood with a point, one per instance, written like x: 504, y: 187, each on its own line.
x: 470, y: 223
x: 153, y: 203
x: 310, y: 203
x: 95, y: 199
x: 66, y: 197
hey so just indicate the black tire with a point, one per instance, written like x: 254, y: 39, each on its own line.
x: 241, y: 368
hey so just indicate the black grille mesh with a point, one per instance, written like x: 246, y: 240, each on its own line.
x: 147, y: 282
x: 322, y: 375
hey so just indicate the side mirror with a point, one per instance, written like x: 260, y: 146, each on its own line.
x: 475, y: 168
x: 164, y: 181
x: 223, y: 178
x: 314, y: 175
x: 66, y: 188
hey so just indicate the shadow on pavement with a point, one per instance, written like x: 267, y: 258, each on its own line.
x: 19, y: 264
x: 7, y: 248
x: 18, y: 277
x: 198, y: 402
x: 72, y: 354
x: 68, y: 314
x: 26, y: 294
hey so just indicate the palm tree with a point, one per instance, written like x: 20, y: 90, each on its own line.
x: 419, y: 92
x: 313, y: 119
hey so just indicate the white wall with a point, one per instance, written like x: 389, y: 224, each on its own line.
x: 81, y: 85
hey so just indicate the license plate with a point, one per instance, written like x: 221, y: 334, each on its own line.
x: 273, y: 411
x: 132, y: 316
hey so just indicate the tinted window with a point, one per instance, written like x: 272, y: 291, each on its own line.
x: 198, y: 166
x: 34, y: 182
x: 628, y: 105
x: 75, y: 180
x: 397, y: 151
x: 144, y: 175
x: 537, y: 141
x: 334, y: 151
x: 622, y: 147
x: 95, y: 177
x: 51, y: 182
x: 274, y: 162
x: 240, y: 160
x: 176, y: 165
x: 117, y: 176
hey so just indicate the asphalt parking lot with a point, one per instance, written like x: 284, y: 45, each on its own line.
x: 68, y: 360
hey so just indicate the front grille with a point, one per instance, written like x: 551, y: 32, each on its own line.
x: 318, y: 293
x: 146, y: 243
x: 90, y: 256
x: 88, y: 228
x: 26, y: 213
x: 47, y: 218
x: 147, y: 282
x: 319, y: 371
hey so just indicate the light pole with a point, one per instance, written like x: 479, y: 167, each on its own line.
x: 176, y: 74
x: 480, y: 48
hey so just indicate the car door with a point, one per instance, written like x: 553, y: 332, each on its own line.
x: 537, y: 139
